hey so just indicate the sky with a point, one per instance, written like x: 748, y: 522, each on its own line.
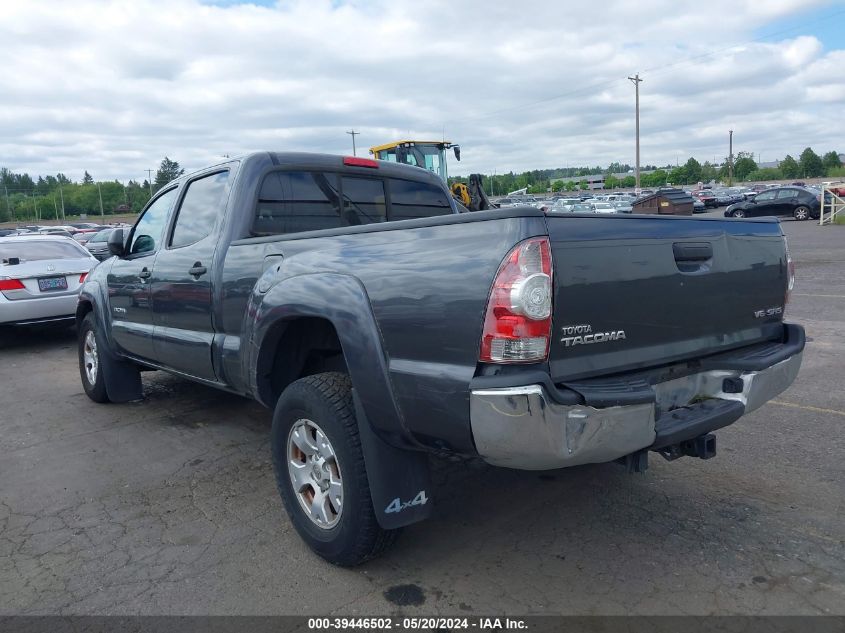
x: 113, y: 87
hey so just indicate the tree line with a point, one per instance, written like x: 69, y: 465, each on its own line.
x: 56, y: 197
x: 745, y: 169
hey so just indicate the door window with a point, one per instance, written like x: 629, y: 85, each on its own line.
x: 767, y: 196
x: 785, y: 194
x: 199, y: 209
x: 148, y: 231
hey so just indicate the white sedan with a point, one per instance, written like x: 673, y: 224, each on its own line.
x: 40, y: 278
x: 603, y: 207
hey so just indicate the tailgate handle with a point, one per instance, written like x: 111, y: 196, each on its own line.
x: 692, y: 251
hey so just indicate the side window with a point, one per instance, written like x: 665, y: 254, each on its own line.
x: 296, y: 201
x: 787, y: 193
x: 148, y: 232
x: 199, y: 209
x: 364, y: 201
x: 765, y: 197
x: 409, y: 199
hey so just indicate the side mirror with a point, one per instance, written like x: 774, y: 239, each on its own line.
x: 115, y: 242
x: 457, y: 150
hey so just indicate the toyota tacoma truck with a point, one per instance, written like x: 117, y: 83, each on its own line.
x: 381, y: 322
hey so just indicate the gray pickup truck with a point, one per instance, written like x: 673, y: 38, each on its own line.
x: 381, y: 323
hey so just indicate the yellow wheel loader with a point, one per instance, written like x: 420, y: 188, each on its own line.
x: 431, y: 155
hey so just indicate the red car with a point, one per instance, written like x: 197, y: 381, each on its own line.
x: 707, y: 197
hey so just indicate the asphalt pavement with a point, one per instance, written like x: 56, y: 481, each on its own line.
x: 168, y: 506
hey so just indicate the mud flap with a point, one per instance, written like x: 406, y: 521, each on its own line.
x: 400, y: 481
x: 123, y: 380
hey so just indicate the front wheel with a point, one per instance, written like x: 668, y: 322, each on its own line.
x: 801, y: 213
x: 90, y: 360
x: 320, y: 473
x: 739, y: 213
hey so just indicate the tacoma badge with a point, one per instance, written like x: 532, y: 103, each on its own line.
x: 583, y: 335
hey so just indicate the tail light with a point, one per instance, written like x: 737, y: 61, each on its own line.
x: 790, y: 273
x: 11, y: 284
x: 518, y: 321
x: 82, y: 278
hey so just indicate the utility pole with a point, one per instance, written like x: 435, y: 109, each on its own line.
x: 8, y: 206
x: 62, y: 196
x: 353, y: 133
x: 56, y: 207
x: 150, y: 180
x: 730, y: 158
x: 636, y: 81
x: 100, y: 192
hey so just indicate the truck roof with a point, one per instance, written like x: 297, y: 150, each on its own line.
x: 333, y: 162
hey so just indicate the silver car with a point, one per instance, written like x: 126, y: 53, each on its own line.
x: 40, y: 278
x: 602, y: 207
x: 98, y: 245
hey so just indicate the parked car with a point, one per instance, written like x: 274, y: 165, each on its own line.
x: 58, y: 231
x: 380, y: 324
x: 698, y: 205
x: 707, y: 197
x: 795, y: 201
x: 40, y: 278
x: 98, y: 245
x: 564, y: 204
x: 581, y: 207
x: 723, y: 198
x: 622, y: 206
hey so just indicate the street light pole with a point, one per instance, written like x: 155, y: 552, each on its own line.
x: 100, y: 192
x: 636, y: 81
x: 353, y: 133
x: 730, y: 158
x: 62, y: 196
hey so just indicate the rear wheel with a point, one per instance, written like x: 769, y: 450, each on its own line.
x: 90, y: 364
x: 320, y: 471
x: 739, y: 213
x: 801, y: 213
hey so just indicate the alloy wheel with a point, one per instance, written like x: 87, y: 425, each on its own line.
x: 315, y: 473
x: 89, y: 357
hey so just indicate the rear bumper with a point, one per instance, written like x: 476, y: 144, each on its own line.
x: 41, y: 309
x: 526, y: 428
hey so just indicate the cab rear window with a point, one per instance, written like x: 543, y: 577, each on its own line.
x: 298, y: 201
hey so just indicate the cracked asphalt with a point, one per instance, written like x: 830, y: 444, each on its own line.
x: 168, y: 506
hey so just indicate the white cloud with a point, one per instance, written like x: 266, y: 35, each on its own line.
x: 112, y: 87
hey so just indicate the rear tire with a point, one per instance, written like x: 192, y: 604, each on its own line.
x: 320, y: 472
x: 90, y: 360
x: 801, y: 213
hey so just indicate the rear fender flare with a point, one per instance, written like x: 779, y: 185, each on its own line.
x: 343, y: 301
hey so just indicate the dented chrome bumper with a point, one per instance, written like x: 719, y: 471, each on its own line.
x: 523, y: 427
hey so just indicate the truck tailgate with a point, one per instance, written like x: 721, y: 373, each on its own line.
x: 633, y: 292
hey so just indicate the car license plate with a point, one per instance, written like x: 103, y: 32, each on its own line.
x: 52, y: 283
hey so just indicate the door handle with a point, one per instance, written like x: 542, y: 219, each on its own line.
x: 145, y: 273
x: 197, y: 270
x: 692, y: 251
